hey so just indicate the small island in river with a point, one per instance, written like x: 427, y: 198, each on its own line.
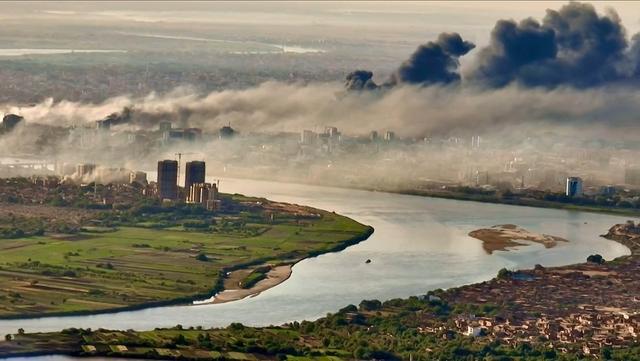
x: 502, y: 237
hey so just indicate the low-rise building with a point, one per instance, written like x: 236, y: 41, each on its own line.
x: 205, y: 194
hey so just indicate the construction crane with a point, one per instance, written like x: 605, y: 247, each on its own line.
x: 179, y: 155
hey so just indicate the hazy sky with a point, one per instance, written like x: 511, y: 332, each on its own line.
x: 472, y: 19
x: 356, y: 31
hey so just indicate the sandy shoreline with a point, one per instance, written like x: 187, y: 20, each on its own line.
x: 505, y: 236
x: 496, y: 238
x: 234, y: 292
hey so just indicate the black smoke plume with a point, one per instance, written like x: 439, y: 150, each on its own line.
x: 573, y: 46
x: 360, y: 80
x: 113, y: 119
x: 433, y: 62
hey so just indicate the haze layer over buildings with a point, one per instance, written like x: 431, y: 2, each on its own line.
x: 141, y: 90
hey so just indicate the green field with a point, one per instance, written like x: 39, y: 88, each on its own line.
x: 128, y: 266
x: 192, y: 344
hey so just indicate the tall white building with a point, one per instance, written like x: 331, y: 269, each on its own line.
x: 332, y: 132
x: 389, y: 136
x: 475, y: 142
x: 574, y: 187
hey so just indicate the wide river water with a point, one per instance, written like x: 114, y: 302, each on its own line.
x: 419, y: 244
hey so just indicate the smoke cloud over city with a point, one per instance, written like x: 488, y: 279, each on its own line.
x: 570, y: 77
x: 434, y: 62
x: 570, y: 49
x: 408, y: 110
x: 573, y: 46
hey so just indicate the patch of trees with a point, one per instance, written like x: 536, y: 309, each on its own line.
x: 255, y: 276
x: 14, y: 226
x: 370, y: 305
x: 595, y: 258
x: 202, y: 257
x: 504, y: 274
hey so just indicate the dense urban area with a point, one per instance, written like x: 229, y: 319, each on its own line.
x: 474, y: 168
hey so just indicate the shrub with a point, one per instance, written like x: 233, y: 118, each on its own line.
x: 202, y: 257
x: 348, y: 309
x: 370, y: 305
x: 595, y: 258
x: 504, y: 274
x: 236, y: 326
x: 69, y: 273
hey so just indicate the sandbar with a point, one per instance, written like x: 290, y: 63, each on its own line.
x: 505, y: 236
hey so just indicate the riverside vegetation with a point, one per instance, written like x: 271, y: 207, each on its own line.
x: 67, y: 255
x: 584, y: 311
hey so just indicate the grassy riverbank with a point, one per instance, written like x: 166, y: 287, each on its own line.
x: 124, y: 267
x: 575, y: 312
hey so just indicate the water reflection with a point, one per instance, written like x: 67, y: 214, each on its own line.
x: 419, y: 244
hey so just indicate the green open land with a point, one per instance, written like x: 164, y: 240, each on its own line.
x: 594, y: 299
x: 104, y: 268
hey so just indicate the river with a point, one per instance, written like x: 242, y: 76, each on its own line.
x: 419, y: 244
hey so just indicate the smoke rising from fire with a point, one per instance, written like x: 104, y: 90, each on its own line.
x: 409, y: 110
x: 573, y: 46
x: 574, y: 71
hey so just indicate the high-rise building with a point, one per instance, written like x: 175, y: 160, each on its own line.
x: 168, y: 179
x: 104, y: 124
x: 574, y: 187
x: 85, y: 169
x: 475, y: 142
x: 192, y: 134
x: 608, y: 190
x: 307, y: 137
x: 194, y: 172
x: 332, y: 132
x: 164, y: 126
x: 389, y: 136
x: 204, y: 193
x: 226, y: 132
x: 481, y: 177
x: 373, y: 136
x: 172, y: 135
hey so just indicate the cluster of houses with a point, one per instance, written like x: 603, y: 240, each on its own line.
x: 45, y: 189
x: 591, y: 331
x: 587, y: 332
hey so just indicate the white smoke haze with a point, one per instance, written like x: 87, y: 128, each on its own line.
x: 409, y: 111
x: 66, y: 113
x: 589, y: 132
x: 553, y: 108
